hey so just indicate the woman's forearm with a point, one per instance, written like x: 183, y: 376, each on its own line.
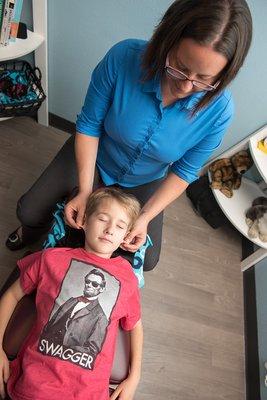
x: 171, y: 188
x: 86, y: 151
x: 8, y: 302
x: 136, y: 343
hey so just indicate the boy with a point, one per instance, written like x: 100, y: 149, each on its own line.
x: 82, y: 296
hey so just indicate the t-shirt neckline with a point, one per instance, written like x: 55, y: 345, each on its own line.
x: 99, y: 258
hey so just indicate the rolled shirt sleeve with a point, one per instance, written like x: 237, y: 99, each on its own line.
x: 188, y: 166
x: 100, y: 92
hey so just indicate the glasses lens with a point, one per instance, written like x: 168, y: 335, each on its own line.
x: 176, y: 74
x: 93, y: 283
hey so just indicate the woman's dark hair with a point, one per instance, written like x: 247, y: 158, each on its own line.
x: 224, y: 24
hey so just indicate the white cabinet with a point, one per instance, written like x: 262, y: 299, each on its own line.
x: 37, y: 42
x: 235, y: 207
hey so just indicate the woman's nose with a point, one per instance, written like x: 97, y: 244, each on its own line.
x: 187, y: 85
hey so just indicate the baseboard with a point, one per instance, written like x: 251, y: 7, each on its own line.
x: 250, y: 327
x: 62, y: 123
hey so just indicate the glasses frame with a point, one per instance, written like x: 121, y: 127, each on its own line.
x: 204, y: 86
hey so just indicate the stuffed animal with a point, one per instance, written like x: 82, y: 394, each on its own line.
x: 256, y: 219
x: 262, y: 145
x: 226, y: 172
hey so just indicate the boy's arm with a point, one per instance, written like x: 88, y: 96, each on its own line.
x: 8, y: 302
x: 126, y: 389
x: 136, y: 347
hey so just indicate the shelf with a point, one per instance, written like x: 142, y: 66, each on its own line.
x: 235, y: 207
x: 259, y: 157
x: 21, y: 47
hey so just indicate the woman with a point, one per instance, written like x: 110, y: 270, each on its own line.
x: 153, y: 114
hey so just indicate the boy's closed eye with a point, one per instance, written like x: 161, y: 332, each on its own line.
x: 102, y: 218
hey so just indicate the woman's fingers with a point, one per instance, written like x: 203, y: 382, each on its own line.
x: 133, y: 244
x: 80, y: 217
x: 70, y: 216
x: 75, y: 211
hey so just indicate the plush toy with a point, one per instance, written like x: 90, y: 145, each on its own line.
x: 226, y: 172
x: 256, y: 219
x: 262, y: 145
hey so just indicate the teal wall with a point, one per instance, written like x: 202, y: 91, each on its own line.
x: 81, y: 32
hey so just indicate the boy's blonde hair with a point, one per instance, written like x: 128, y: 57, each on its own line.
x: 127, y: 201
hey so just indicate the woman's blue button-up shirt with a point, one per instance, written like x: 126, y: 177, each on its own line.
x: 139, y: 138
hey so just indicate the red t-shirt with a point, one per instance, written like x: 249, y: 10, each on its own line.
x: 81, y: 298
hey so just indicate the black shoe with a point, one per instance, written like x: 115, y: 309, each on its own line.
x: 14, y: 242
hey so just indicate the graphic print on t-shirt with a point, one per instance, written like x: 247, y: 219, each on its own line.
x: 78, y: 322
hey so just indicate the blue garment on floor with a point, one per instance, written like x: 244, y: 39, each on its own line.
x: 57, y: 232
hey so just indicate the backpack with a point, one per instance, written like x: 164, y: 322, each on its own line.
x: 204, y: 202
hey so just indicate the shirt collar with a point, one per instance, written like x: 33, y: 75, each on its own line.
x: 152, y: 86
x: 188, y: 103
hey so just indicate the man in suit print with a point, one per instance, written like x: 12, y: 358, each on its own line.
x: 80, y: 323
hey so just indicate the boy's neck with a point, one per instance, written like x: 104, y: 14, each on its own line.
x: 88, y: 249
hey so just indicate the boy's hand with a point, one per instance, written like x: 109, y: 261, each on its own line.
x: 125, y: 390
x: 4, y: 372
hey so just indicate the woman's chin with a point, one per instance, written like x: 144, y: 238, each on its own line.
x: 180, y: 94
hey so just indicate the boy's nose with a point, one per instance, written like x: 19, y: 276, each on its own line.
x: 109, y: 230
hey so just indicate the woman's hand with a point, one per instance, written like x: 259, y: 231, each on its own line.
x: 137, y: 236
x: 4, y: 372
x: 75, y: 210
x: 126, y: 389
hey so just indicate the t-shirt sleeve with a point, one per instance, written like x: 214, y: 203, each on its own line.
x: 100, y: 92
x: 133, y: 310
x: 30, y: 271
x: 187, y: 167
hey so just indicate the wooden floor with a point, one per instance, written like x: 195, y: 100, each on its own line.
x: 192, y: 302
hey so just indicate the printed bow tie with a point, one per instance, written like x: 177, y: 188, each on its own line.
x: 83, y: 299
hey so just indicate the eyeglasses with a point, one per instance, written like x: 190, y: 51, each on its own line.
x: 179, y: 75
x: 93, y: 283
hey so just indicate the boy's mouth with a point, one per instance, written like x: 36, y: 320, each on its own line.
x: 105, y: 239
